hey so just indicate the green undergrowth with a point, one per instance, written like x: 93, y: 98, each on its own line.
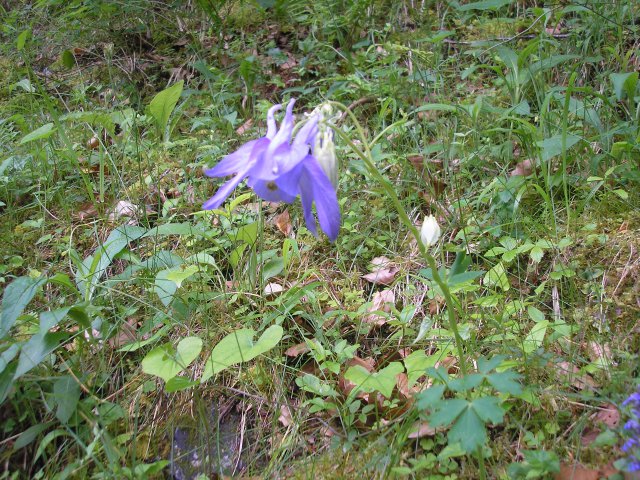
x: 129, y: 315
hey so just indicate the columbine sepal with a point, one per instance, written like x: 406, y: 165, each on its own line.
x: 430, y: 231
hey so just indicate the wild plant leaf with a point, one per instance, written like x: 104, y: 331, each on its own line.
x: 44, y: 131
x: 382, y: 381
x: 66, y: 393
x: 552, y: 146
x: 535, y: 338
x: 239, y: 347
x: 16, y: 297
x: 166, y: 362
x: 497, y: 277
x: 8, y: 355
x: 483, y: 5
x: 624, y: 83
x: 163, y: 104
x: 37, y: 348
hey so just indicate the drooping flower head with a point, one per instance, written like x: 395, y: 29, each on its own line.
x: 279, y: 167
x: 430, y: 231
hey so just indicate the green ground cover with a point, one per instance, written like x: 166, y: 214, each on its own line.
x: 138, y: 330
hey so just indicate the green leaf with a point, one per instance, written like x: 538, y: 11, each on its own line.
x: 505, y: 382
x: 66, y: 393
x: 535, y: 314
x: 168, y: 281
x: 536, y: 254
x: 166, y: 363
x: 497, y: 277
x: 22, y: 39
x: 468, y: 430
x: 552, y: 146
x: 431, y: 397
x: 417, y: 363
x: 484, y: 5
x: 535, y: 338
x: 30, y: 434
x: 488, y: 409
x: 8, y: 355
x: 50, y: 319
x: 382, y: 381
x: 44, y: 131
x: 447, y: 411
x: 68, y: 60
x: 624, y: 83
x: 163, y: 104
x: 238, y: 347
x: 177, y: 384
x: 16, y: 297
x: 36, y: 350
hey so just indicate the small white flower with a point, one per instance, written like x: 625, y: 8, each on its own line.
x: 430, y: 231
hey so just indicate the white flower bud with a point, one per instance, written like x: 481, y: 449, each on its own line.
x: 430, y: 231
x: 325, y: 154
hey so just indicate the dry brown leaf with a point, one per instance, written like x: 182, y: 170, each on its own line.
x: 297, y: 350
x: 283, y: 222
x: 598, y: 351
x: 87, y: 212
x: 367, y: 363
x: 93, y: 143
x: 402, y: 382
x: 126, y: 334
x: 524, y: 168
x: 576, y: 472
x: 383, y: 271
x: 244, y: 127
x: 271, y: 289
x: 609, y: 415
x: 421, y: 429
x: 572, y: 374
x: 285, y: 417
x: 382, y: 302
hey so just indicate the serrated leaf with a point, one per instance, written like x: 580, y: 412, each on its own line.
x: 505, y: 382
x: 447, y: 411
x: 465, y: 383
x: 488, y: 409
x: 468, y: 430
x: 238, y: 347
x: 166, y: 362
x: 431, y: 397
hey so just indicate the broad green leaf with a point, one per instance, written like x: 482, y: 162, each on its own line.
x: 468, y: 430
x: 497, y: 277
x: 484, y: 5
x: 163, y: 104
x: 137, y: 345
x: 8, y: 355
x: 16, y: 297
x: 624, y: 83
x: 535, y: 338
x: 311, y: 383
x: 488, y: 409
x: 177, y: 384
x: 535, y: 314
x: 22, y: 39
x: 36, y: 350
x: 505, y: 382
x: 238, y: 347
x: 44, y: 131
x: 447, y: 411
x: 552, y: 146
x: 66, y: 393
x: 168, y: 281
x: 536, y: 254
x: 382, y: 381
x: 50, y: 319
x: 166, y: 362
x: 179, y: 275
x: 417, y: 363
x: 68, y: 60
x: 30, y: 434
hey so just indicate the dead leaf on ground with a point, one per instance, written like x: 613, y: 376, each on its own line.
x: 382, y: 302
x: 609, y: 415
x: 87, y: 212
x: 524, y: 168
x: 572, y: 374
x: 125, y: 335
x: 383, y: 271
x: 244, y: 127
x: 283, y: 222
x: 578, y: 472
x: 272, y: 289
x: 421, y: 429
x: 285, y: 417
x: 297, y: 350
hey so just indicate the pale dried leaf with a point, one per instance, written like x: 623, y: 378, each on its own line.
x: 283, y: 222
x: 421, y: 429
x: 297, y: 350
x: 285, y: 417
x: 572, y: 374
x: 383, y: 271
x: 609, y: 415
x: 576, y: 472
x: 123, y: 208
x: 244, y: 127
x: 271, y: 289
x: 382, y: 302
x: 524, y: 168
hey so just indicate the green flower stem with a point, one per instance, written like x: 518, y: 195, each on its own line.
x: 386, y: 185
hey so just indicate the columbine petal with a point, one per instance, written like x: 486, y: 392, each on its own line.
x: 238, y: 160
x: 271, y: 192
x: 224, y: 191
x: 271, y: 121
x: 325, y: 198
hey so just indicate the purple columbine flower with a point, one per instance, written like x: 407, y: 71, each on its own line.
x: 632, y: 431
x: 279, y: 168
